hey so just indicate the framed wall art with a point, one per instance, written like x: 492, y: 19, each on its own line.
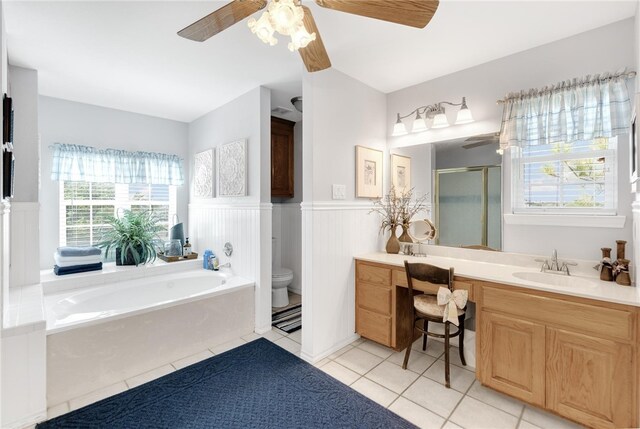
x: 232, y: 169
x: 401, y: 173
x: 634, y: 156
x: 368, y: 172
x: 203, y: 176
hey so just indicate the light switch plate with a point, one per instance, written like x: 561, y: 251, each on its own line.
x: 339, y: 192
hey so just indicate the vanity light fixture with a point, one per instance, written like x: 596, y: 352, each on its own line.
x: 436, y: 112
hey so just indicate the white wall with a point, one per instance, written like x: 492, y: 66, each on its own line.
x: 63, y: 121
x: 339, y: 113
x: 544, y: 65
x: 243, y: 221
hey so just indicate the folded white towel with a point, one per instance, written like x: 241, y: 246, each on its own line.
x: 70, y: 261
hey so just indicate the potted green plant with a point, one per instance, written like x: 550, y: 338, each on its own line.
x: 133, y: 236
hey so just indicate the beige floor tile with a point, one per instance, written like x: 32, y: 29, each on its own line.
x: 416, y: 414
x: 296, y: 336
x: 374, y: 391
x: 434, y: 348
x: 392, y: 376
x: 97, y: 395
x: 149, y: 376
x: 342, y: 351
x: 418, y: 362
x: 340, y: 373
x: 454, y: 355
x: 526, y: 425
x: 358, y: 342
x: 289, y: 345
x: 272, y: 335
x: 322, y: 362
x: 472, y: 413
x: 546, y: 420
x: 433, y: 396
x: 497, y: 399
x: 376, y: 349
x: 461, y: 379
x: 190, y: 360
x: 224, y: 347
x: 358, y: 360
x: 251, y: 337
x: 451, y: 425
x: 57, y: 410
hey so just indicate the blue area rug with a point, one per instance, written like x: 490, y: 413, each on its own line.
x: 257, y: 385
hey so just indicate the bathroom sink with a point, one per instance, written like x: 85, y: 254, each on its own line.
x: 550, y: 279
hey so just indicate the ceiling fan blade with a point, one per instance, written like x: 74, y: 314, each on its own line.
x: 221, y: 19
x: 314, y: 55
x: 414, y: 13
x: 478, y: 144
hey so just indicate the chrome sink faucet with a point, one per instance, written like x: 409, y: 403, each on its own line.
x: 554, y: 266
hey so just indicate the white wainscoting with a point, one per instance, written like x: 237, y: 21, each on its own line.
x: 333, y: 233
x: 244, y: 225
x: 25, y: 252
x: 287, y: 228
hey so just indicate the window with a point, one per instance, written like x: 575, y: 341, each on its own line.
x: 84, y: 207
x: 565, y: 178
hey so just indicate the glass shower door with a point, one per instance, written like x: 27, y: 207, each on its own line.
x: 469, y: 207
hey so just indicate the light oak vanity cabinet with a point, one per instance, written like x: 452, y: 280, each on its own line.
x: 572, y: 356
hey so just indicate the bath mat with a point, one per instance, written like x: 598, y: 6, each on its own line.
x: 257, y: 385
x: 288, y: 320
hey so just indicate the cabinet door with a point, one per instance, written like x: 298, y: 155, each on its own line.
x: 589, y: 379
x: 282, y: 168
x: 511, y: 356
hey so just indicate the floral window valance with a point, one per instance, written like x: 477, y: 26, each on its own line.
x: 90, y: 164
x: 581, y: 109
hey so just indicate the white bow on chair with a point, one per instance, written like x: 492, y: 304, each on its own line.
x: 451, y: 300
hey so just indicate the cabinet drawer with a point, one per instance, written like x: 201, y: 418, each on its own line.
x: 596, y: 320
x: 374, y: 326
x: 374, y: 298
x: 375, y: 275
x: 400, y: 279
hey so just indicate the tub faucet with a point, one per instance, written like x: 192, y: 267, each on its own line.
x: 225, y: 265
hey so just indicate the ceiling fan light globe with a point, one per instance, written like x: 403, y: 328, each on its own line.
x: 285, y: 16
x: 263, y: 29
x: 464, y: 116
x: 301, y: 38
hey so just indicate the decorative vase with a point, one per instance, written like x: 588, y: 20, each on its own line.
x: 405, y: 237
x: 129, y: 259
x: 393, y: 245
x: 622, y: 277
x: 606, y: 270
x: 620, y: 249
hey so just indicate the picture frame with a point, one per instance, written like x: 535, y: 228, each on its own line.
x: 369, y: 169
x: 203, y: 174
x: 634, y: 155
x: 401, y: 173
x: 231, y: 169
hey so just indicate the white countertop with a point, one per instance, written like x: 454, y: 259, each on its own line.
x: 592, y: 288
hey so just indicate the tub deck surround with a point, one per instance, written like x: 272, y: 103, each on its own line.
x: 488, y: 269
x: 102, y: 335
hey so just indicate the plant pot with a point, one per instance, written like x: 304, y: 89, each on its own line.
x: 129, y: 259
x: 405, y: 237
x: 393, y: 245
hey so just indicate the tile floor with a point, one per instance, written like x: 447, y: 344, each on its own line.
x: 417, y: 394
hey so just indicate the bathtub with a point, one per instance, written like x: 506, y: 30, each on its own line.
x: 100, y: 336
x: 87, y: 306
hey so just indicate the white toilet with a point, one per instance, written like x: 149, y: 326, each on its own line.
x: 280, y: 279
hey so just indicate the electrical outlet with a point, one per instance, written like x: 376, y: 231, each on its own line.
x: 339, y: 192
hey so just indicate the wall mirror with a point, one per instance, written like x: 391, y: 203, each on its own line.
x: 464, y: 180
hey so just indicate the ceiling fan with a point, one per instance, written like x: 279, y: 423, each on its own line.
x: 290, y: 18
x: 482, y: 140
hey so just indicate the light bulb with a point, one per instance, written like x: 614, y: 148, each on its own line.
x: 300, y: 39
x: 419, y: 124
x: 399, y: 129
x: 440, y: 121
x: 263, y: 29
x: 464, y: 117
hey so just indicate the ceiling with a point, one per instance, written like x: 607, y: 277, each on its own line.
x: 126, y: 55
